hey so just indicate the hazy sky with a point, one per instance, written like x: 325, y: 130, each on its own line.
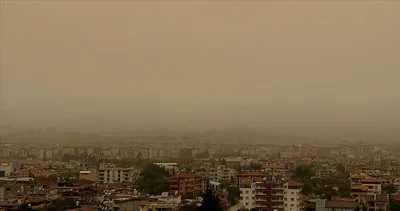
x: 193, y: 63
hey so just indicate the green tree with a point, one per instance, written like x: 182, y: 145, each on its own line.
x: 307, y: 188
x: 153, y: 179
x: 60, y: 205
x: 255, y: 166
x: 395, y: 206
x: 344, y: 189
x: 233, y: 195
x: 210, y: 202
x: 303, y: 172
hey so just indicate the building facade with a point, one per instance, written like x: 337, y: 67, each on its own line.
x: 291, y: 196
x: 116, y: 175
x: 185, y: 183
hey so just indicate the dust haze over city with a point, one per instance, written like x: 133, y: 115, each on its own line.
x: 200, y: 105
x: 304, y: 67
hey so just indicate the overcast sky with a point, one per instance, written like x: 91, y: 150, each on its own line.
x: 194, y: 64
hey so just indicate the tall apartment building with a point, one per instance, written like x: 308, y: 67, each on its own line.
x: 184, y: 183
x: 116, y: 175
x: 264, y: 195
x: 247, y: 182
x: 276, y: 195
x: 269, y: 196
x: 291, y: 196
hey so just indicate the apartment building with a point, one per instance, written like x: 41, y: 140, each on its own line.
x: 248, y: 196
x: 291, y: 195
x: 275, y: 170
x: 170, y: 167
x: 263, y: 195
x: 377, y: 202
x: 249, y: 183
x: 358, y: 193
x: 221, y: 173
x: 245, y: 179
x: 183, y: 183
x: 116, y: 175
x: 374, y: 184
x: 269, y: 196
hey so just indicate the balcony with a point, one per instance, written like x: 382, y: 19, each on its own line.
x: 261, y: 206
x: 277, y: 207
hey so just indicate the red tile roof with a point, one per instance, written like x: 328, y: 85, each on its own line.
x: 371, y: 180
x: 294, y: 183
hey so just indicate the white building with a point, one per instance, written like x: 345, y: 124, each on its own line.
x: 291, y: 196
x: 116, y: 175
x: 221, y: 173
x: 247, y: 197
x: 170, y: 167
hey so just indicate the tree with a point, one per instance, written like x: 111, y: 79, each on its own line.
x: 233, y: 195
x: 60, y: 205
x: 344, y: 189
x: 153, y: 179
x: 255, y: 166
x: 341, y: 169
x: 307, y: 188
x: 303, y: 172
x: 210, y: 202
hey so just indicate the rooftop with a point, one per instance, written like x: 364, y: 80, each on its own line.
x: 341, y: 204
x: 294, y: 183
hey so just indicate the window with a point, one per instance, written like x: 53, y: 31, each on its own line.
x: 291, y: 199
